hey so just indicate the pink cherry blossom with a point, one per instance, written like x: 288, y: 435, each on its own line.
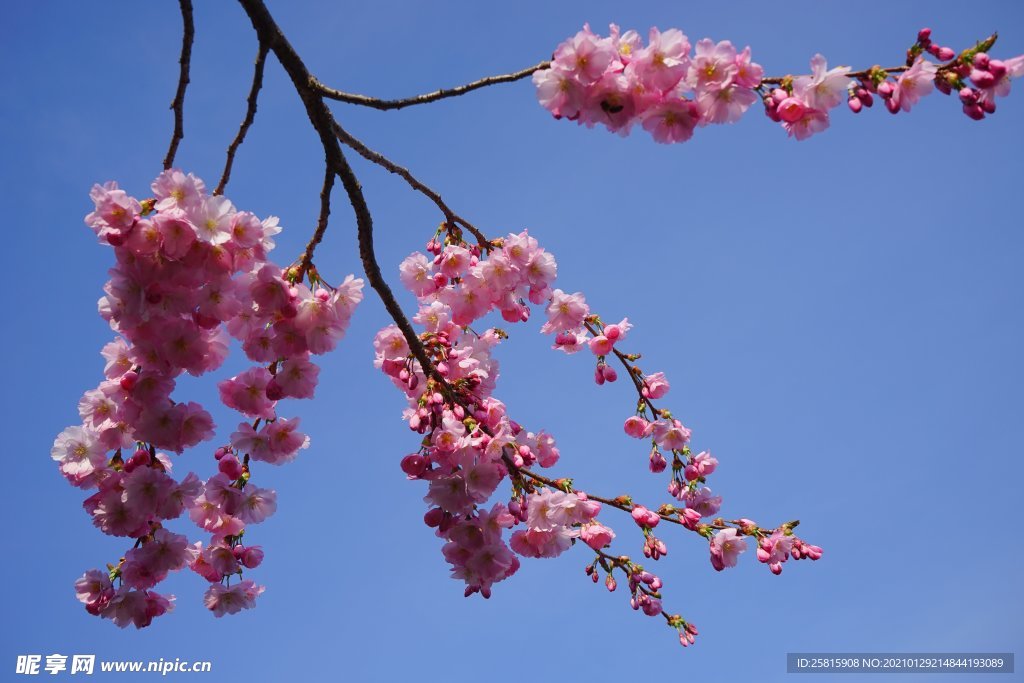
x: 825, y: 88
x: 914, y: 83
x: 565, y: 312
x: 726, y: 547
x: 222, y: 600
x: 672, y: 120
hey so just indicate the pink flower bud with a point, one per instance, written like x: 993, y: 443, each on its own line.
x: 779, y: 96
x: 983, y: 79
x: 988, y: 106
x: 252, y: 557
x: 791, y: 110
x: 220, y: 453
x: 274, y: 390
x: 644, y: 517
x: 414, y: 465
x: 924, y: 35
x: 610, y: 584
x: 690, y: 518
x: 945, y: 54
x: 433, y: 517
x: 598, y: 375
x: 886, y: 89
x: 968, y: 95
x: 609, y: 373
x: 855, y: 104
x: 892, y: 105
x: 658, y: 462
x: 997, y: 68
x: 974, y: 111
x: 128, y: 380
x: 230, y: 466
x: 980, y: 61
x: 140, y: 458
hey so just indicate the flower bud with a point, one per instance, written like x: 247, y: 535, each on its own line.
x: 658, y: 462
x: 983, y: 79
x: 433, y: 517
x: 974, y: 111
x: 274, y: 390
x: 230, y: 466
x: 140, y: 458
x: 128, y: 380
x: 414, y: 465
x: 252, y: 557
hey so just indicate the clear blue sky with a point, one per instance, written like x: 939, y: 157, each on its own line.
x: 840, y: 318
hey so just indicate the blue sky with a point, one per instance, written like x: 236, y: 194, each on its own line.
x: 840, y: 319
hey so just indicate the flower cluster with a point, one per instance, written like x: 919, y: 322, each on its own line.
x: 191, y: 272
x: 470, y: 444
x: 617, y: 81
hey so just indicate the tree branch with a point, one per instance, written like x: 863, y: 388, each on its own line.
x: 365, y: 101
x: 178, y: 103
x: 323, y: 122
x: 381, y: 160
x: 250, y: 116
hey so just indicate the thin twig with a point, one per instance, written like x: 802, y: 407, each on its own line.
x: 382, y: 161
x: 777, y: 80
x: 250, y: 116
x: 321, y: 225
x: 365, y: 101
x: 178, y: 103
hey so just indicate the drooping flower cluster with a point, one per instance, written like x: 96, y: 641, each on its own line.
x: 191, y: 273
x: 619, y: 82
x: 470, y: 444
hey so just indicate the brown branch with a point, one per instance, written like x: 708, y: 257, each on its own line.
x: 250, y: 116
x: 323, y: 122
x: 365, y: 101
x: 321, y: 225
x: 178, y: 103
x: 864, y: 73
x: 382, y: 161
x: 560, y: 485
